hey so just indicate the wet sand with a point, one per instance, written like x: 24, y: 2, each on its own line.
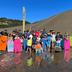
x: 18, y: 64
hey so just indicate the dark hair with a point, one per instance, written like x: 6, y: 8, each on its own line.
x: 2, y: 33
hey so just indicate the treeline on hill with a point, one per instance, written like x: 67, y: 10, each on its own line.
x: 5, y: 22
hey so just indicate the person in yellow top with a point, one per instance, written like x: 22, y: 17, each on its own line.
x: 3, y: 42
x: 29, y: 45
x: 29, y: 42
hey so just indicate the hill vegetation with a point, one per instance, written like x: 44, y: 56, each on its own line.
x: 5, y: 22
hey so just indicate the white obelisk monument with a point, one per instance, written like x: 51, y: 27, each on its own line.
x: 24, y: 16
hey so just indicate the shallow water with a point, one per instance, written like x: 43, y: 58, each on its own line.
x: 11, y: 62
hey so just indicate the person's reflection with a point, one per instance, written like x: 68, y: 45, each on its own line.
x: 57, y: 57
x: 17, y: 58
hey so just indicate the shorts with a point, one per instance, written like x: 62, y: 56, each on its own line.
x: 29, y: 46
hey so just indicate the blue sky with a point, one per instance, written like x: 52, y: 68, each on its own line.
x: 35, y: 9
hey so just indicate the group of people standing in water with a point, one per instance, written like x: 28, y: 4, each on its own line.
x: 42, y: 44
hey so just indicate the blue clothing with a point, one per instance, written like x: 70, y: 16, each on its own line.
x: 62, y: 44
x: 25, y: 44
x: 48, y: 40
x: 10, y: 46
x: 58, y: 44
x: 44, y: 41
x: 34, y: 40
x: 38, y: 52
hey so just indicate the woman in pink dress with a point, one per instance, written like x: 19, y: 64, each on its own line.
x: 17, y: 45
x: 67, y: 48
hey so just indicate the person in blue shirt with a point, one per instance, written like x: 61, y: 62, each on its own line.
x: 49, y: 41
x: 44, y: 43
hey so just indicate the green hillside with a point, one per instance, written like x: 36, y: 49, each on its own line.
x: 5, y: 22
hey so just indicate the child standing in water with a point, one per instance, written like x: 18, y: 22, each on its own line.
x: 66, y: 47
x: 17, y: 45
x: 53, y: 39
x: 38, y: 48
x: 10, y: 44
x: 29, y: 45
x: 49, y: 41
x: 39, y: 51
x: 3, y: 42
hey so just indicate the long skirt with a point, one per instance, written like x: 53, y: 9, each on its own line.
x: 67, y: 50
x: 10, y: 46
x: 67, y: 55
x: 17, y: 46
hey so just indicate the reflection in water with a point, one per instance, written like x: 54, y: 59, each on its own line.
x: 67, y: 55
x: 19, y: 61
x: 57, y: 57
x: 17, y: 58
x: 71, y: 53
x: 10, y: 59
x: 6, y: 60
x: 29, y: 61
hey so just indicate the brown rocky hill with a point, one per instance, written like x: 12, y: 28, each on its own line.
x: 61, y: 22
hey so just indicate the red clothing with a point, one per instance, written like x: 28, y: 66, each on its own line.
x: 37, y: 33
